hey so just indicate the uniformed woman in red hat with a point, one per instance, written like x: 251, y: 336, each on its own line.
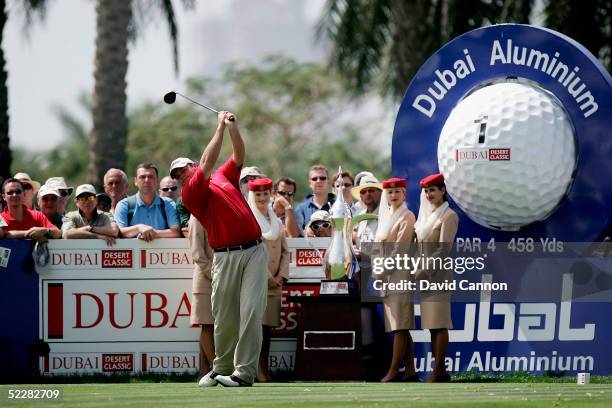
x: 396, y: 225
x: 436, y: 228
x: 278, y: 263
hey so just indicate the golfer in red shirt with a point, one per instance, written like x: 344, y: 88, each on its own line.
x: 239, y: 273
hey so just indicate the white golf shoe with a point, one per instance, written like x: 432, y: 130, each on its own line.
x: 209, y: 380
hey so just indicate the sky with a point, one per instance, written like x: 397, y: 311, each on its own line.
x: 51, y: 63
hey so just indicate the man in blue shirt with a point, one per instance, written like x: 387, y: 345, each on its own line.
x: 320, y: 199
x: 146, y: 215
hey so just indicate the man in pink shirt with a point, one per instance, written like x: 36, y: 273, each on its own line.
x: 21, y: 221
x: 239, y: 273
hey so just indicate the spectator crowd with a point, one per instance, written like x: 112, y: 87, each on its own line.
x: 31, y: 210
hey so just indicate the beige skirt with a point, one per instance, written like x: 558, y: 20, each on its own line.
x: 271, y: 316
x: 435, y: 310
x: 201, y: 309
x: 399, y: 312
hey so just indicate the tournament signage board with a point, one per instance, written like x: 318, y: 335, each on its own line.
x: 517, y: 118
x: 126, y: 308
x: 131, y: 319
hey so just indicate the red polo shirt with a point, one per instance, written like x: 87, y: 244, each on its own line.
x: 220, y: 207
x: 31, y: 218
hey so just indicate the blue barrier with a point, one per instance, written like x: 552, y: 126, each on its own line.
x: 19, y: 309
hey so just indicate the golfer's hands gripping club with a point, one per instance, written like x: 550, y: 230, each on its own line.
x: 225, y: 118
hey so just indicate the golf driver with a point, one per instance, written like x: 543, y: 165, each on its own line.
x: 170, y: 98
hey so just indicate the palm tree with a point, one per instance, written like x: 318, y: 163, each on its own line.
x: 382, y: 43
x: 588, y: 21
x: 117, y: 22
x: 6, y: 158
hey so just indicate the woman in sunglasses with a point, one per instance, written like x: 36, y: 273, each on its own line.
x: 260, y: 191
x: 436, y: 228
x: 396, y: 233
x: 319, y: 225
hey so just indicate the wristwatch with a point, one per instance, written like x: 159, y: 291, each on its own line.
x: 288, y: 207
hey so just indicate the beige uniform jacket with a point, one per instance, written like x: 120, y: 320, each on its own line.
x: 438, y: 243
x: 202, y: 255
x: 401, y: 233
x: 278, y: 261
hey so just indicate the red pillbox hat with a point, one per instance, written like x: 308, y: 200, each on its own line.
x: 394, y: 183
x: 432, y: 180
x: 262, y: 184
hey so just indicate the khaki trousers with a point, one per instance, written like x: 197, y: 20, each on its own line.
x: 239, y: 296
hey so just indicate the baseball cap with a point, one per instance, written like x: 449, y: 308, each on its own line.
x: 179, y: 163
x: 46, y: 189
x: 85, y: 188
x: 59, y: 184
x: 319, y: 215
x: 250, y: 171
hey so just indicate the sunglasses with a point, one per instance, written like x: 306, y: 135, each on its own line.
x: 346, y: 185
x: 246, y: 179
x: 49, y: 198
x: 320, y: 225
x: 64, y: 193
x: 286, y: 193
x: 86, y: 198
x: 27, y: 186
x: 320, y: 178
x: 14, y: 192
x: 166, y: 189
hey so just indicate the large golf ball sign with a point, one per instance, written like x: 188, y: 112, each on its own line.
x: 498, y: 136
x: 516, y: 117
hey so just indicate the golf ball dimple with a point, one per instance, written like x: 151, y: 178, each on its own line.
x: 507, y: 152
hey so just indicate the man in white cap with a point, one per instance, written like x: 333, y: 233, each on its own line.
x: 64, y: 191
x: 239, y: 274
x: 48, y: 199
x: 183, y: 213
x: 359, y: 206
x: 87, y: 222
x: 248, y: 174
x: 368, y: 193
x: 201, y: 288
x: 30, y: 188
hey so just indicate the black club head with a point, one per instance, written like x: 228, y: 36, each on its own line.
x: 170, y: 97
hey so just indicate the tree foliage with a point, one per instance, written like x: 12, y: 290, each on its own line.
x: 291, y: 115
x: 117, y: 22
x: 30, y: 8
x: 380, y: 44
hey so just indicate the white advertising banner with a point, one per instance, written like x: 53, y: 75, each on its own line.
x: 126, y: 308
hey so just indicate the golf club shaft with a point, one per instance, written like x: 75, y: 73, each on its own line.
x: 197, y: 103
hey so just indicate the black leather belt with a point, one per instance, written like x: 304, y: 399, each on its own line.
x: 239, y: 247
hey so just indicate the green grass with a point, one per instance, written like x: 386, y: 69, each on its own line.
x: 320, y: 395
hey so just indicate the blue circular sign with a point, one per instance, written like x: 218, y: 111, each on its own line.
x: 556, y: 63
